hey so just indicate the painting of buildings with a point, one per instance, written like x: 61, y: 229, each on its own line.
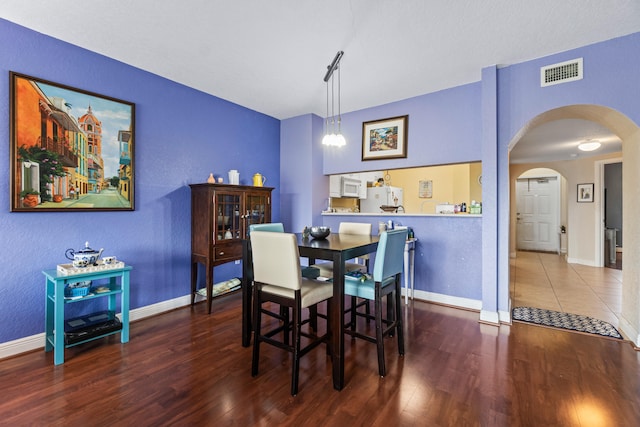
x: 68, y: 149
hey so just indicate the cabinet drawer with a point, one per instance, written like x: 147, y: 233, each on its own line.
x: 227, y: 251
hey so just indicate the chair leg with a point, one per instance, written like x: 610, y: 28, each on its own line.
x: 328, y: 326
x: 352, y: 321
x: 367, y: 309
x: 379, y: 336
x: 399, y: 317
x: 368, y: 304
x: 257, y: 322
x: 313, y: 318
x: 390, y: 305
x: 295, y: 370
x: 287, y: 322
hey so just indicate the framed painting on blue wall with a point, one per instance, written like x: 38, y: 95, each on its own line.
x: 70, y: 149
x: 385, y: 139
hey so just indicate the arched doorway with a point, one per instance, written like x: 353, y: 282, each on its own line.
x: 629, y: 133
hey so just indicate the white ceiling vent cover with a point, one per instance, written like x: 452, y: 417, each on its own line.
x: 562, y: 72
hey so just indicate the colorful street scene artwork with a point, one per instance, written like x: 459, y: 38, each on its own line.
x: 70, y: 149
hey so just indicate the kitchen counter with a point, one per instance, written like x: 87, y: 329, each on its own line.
x: 445, y: 242
x: 401, y: 214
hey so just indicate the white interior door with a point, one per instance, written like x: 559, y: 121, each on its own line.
x: 538, y: 214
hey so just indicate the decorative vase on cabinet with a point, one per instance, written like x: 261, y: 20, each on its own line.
x: 220, y: 219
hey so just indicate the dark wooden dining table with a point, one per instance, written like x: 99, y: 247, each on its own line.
x: 337, y: 248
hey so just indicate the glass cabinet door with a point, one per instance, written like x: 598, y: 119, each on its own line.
x: 229, y: 221
x: 257, y: 205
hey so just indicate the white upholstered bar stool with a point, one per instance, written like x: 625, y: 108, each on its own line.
x: 278, y: 279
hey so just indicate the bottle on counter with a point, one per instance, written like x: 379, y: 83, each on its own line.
x: 475, y: 207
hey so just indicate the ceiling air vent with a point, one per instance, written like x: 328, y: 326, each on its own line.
x: 562, y: 72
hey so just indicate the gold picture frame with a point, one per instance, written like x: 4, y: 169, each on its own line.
x: 385, y: 139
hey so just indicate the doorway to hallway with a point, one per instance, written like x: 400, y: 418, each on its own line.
x: 538, y: 214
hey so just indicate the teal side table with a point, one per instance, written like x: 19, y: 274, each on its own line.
x: 55, y: 302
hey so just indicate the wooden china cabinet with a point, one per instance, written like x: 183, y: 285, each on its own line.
x: 220, y: 219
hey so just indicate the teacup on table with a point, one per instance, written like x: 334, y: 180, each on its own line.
x: 80, y: 263
x: 109, y: 259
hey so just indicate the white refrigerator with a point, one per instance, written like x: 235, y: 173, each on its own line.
x: 379, y: 196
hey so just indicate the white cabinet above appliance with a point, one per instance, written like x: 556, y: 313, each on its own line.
x: 346, y: 185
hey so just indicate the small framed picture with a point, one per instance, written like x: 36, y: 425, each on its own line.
x: 585, y: 193
x: 425, y: 189
x: 385, y: 139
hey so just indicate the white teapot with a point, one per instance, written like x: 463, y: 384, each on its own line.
x: 84, y: 257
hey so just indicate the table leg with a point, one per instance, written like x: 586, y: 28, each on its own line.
x: 111, y: 299
x: 406, y: 273
x: 337, y: 323
x: 49, y: 310
x: 209, y: 279
x: 194, y: 279
x: 412, y: 266
x: 58, y: 323
x: 124, y: 307
x: 247, y: 290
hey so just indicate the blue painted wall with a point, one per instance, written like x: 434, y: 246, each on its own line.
x: 448, y: 251
x: 444, y: 127
x: 181, y: 136
x: 304, y: 192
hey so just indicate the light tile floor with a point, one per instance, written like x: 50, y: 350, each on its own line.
x: 544, y: 280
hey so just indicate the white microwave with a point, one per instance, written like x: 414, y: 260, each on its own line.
x: 350, y: 187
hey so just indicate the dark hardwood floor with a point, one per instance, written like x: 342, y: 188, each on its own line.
x: 188, y: 368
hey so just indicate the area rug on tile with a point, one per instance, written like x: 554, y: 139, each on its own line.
x: 561, y: 320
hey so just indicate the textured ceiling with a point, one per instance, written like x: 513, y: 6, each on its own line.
x: 271, y: 56
x: 559, y: 140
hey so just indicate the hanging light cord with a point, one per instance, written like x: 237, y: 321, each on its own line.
x: 332, y: 137
x: 339, y: 117
x: 333, y: 103
x: 326, y: 130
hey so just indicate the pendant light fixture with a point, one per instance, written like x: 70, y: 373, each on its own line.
x: 332, y: 130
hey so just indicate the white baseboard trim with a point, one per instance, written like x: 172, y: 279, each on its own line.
x: 466, y: 303
x: 21, y: 345
x: 590, y: 263
x: 35, y: 342
x: 505, y: 316
x: 629, y: 331
x: 161, y: 307
x: 492, y: 317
